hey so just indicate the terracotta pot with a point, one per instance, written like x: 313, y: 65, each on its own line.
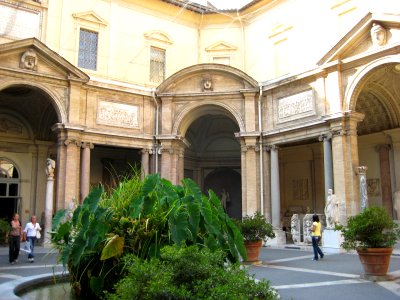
x: 253, y: 250
x: 375, y: 260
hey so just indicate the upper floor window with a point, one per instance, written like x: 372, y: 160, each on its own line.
x: 225, y: 60
x: 157, y: 65
x: 88, y: 44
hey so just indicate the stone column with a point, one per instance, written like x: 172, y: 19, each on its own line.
x: 145, y: 162
x: 243, y: 150
x: 362, y: 172
x: 72, y: 171
x: 386, y: 183
x: 249, y: 180
x: 181, y: 164
x: 275, y: 189
x: 328, y: 168
x: 345, y: 160
x: 85, y: 169
x: 61, y: 165
x: 267, y: 184
x: 50, y: 166
x: 172, y: 159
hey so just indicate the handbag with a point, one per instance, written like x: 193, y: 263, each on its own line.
x: 26, y: 247
x: 38, y: 235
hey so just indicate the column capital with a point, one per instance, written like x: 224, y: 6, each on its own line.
x: 87, y: 145
x: 271, y: 147
x: 146, y: 151
x: 72, y: 141
x: 325, y: 137
x: 362, y: 170
x: 383, y: 146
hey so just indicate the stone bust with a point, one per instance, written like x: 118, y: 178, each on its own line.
x: 207, y: 84
x: 29, y: 60
x: 378, y: 35
x: 50, y: 166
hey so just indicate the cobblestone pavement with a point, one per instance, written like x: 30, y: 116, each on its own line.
x: 289, y: 269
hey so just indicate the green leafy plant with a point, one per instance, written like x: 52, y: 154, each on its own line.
x: 372, y: 228
x: 255, y: 228
x: 138, y: 218
x: 188, y: 273
x: 4, y: 230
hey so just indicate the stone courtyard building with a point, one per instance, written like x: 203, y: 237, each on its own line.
x: 270, y: 104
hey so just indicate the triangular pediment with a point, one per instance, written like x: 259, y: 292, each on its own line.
x: 221, y: 47
x: 361, y: 39
x: 90, y: 16
x: 33, y: 57
x: 158, y: 36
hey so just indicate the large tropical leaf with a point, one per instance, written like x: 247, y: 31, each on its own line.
x: 114, y: 247
x: 58, y: 218
x: 178, y: 225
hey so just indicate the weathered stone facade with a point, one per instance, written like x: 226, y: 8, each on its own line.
x: 274, y: 145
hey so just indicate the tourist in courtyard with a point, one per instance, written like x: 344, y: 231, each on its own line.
x: 14, y: 239
x: 30, y: 233
x: 316, y: 237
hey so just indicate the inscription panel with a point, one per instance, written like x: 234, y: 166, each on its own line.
x: 117, y: 114
x: 296, y: 106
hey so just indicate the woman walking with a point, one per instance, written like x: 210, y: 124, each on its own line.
x: 14, y: 239
x: 30, y: 232
x: 316, y: 237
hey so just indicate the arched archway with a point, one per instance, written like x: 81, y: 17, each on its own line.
x: 27, y: 114
x: 376, y: 95
x: 213, y: 156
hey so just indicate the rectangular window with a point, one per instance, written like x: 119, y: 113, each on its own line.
x: 157, y: 65
x: 222, y: 60
x: 88, y: 43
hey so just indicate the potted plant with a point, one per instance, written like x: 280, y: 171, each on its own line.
x: 254, y: 229
x: 372, y: 233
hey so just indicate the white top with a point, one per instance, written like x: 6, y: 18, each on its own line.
x: 31, y: 229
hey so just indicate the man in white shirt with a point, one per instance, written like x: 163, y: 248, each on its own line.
x: 30, y: 232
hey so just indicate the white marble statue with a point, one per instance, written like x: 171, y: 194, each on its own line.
x: 331, y: 210
x: 225, y: 199
x: 307, y: 225
x: 50, y: 166
x: 295, y: 228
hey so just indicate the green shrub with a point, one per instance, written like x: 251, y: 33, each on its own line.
x: 372, y: 228
x: 138, y: 218
x: 188, y: 273
x: 4, y: 230
x: 255, y: 228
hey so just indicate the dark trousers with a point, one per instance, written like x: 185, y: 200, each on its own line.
x: 14, y: 243
x: 317, y: 250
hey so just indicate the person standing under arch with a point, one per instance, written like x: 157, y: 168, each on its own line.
x: 14, y: 239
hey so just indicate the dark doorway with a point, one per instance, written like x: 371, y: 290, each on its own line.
x: 226, y: 183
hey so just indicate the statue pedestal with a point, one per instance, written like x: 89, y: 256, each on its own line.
x: 331, y: 238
